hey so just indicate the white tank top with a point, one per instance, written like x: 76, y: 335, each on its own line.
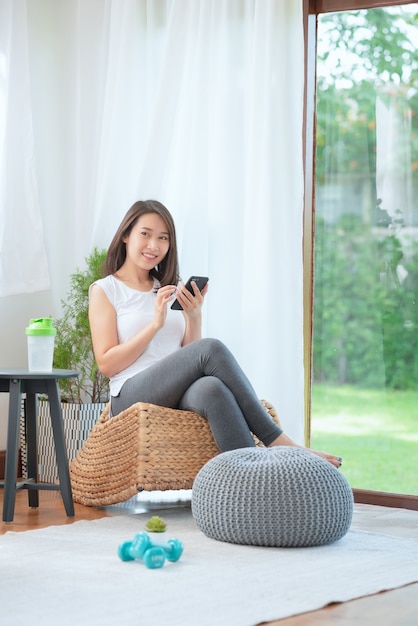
x: 134, y: 311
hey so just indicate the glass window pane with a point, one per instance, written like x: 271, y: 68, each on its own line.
x: 365, y: 346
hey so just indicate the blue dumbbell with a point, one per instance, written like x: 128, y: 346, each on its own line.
x: 152, y: 554
x: 154, y: 558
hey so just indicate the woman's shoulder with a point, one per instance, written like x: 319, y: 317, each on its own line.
x: 108, y: 284
x: 113, y: 287
x: 105, y: 283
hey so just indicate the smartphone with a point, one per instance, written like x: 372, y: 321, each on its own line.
x: 200, y: 282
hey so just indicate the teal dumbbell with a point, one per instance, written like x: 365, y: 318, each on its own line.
x: 152, y: 554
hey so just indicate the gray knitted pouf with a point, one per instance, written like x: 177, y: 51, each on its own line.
x: 280, y: 496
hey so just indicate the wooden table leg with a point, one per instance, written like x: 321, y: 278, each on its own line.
x: 12, y: 450
x: 31, y: 419
x: 60, y: 448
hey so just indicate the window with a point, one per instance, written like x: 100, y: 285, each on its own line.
x: 365, y: 297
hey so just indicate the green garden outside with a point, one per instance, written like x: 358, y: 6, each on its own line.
x: 374, y: 431
x: 365, y: 342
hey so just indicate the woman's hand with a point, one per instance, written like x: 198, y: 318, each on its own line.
x: 165, y: 295
x: 192, y: 310
x: 191, y: 303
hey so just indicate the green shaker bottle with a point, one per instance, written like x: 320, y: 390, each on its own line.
x: 41, y: 339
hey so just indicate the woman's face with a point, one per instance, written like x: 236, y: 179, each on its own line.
x: 148, y: 242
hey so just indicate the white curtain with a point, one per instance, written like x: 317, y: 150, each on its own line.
x: 23, y: 260
x: 197, y: 103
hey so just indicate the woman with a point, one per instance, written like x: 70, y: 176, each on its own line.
x: 154, y: 354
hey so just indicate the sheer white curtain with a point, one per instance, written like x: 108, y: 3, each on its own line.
x: 197, y: 103
x: 23, y: 260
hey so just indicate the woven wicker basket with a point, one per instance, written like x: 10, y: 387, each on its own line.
x: 145, y: 447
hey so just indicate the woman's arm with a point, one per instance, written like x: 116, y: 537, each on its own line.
x: 111, y: 356
x: 192, y: 311
x: 193, y: 330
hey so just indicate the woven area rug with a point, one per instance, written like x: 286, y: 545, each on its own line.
x: 72, y: 575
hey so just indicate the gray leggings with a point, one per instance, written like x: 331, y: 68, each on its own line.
x: 204, y: 377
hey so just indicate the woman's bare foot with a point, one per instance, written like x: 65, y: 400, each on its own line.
x: 335, y: 460
x: 284, y: 440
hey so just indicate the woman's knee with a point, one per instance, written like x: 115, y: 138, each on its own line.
x: 207, y: 387
x: 205, y: 394
x: 213, y: 346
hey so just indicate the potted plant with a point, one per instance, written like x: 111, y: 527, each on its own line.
x: 83, y: 398
x: 73, y: 345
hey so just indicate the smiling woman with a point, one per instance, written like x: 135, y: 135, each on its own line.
x: 155, y: 354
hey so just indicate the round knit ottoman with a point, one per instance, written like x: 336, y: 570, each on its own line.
x: 281, y: 496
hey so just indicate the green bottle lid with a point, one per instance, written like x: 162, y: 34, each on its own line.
x: 41, y: 326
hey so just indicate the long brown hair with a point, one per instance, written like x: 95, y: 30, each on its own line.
x: 167, y: 272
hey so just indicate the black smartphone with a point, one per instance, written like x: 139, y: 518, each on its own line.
x: 200, y: 282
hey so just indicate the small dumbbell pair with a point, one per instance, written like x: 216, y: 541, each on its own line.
x: 152, y: 554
